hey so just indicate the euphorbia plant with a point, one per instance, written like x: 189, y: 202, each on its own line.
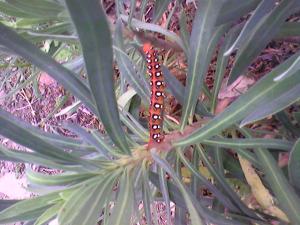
x: 107, y: 177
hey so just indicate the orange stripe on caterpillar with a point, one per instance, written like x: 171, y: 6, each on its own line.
x: 157, y: 84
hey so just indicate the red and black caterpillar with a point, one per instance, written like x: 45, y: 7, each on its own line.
x: 157, y: 84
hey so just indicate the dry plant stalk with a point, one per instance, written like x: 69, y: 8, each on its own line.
x: 259, y: 191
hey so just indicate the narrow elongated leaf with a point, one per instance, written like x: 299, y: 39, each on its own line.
x: 273, y: 106
x: 289, y: 29
x: 185, y: 35
x: 11, y: 10
x: 28, y: 51
x: 195, y: 208
x: 177, y: 90
x: 38, y: 8
x: 155, y: 28
x: 278, y: 183
x: 159, y: 8
x: 250, y: 143
x: 49, y: 214
x: 219, y: 195
x: 224, y: 184
x: 55, y: 139
x: 132, y: 10
x: 146, y: 193
x: 287, y: 198
x: 6, y: 203
x: 294, y: 165
x: 89, y: 18
x: 9, y: 127
x: 89, y: 138
x: 57, y: 180
x: 85, y: 203
x: 126, y: 67
x: 194, y: 216
x: 222, y: 62
x: 286, y: 121
x: 261, y: 92
x: 39, y: 159
x: 174, y: 192
x: 123, y: 209
x: 165, y: 193
x: 203, y: 28
x: 90, y: 209
x: 260, y: 36
x: 262, y: 9
x: 295, y: 67
x: 234, y: 9
x: 195, y: 162
x: 134, y: 125
x: 27, y: 209
x: 250, y: 156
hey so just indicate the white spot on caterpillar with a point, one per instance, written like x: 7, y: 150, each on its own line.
x: 156, y: 105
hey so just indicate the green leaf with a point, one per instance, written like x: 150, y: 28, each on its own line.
x: 49, y: 214
x: 39, y: 159
x: 284, y: 118
x: 286, y: 195
x: 6, y: 203
x: 296, y: 115
x: 260, y: 36
x: 123, y: 208
x: 249, y: 155
x: 165, y: 193
x: 132, y: 10
x: 11, y: 10
x: 57, y: 180
x: 160, y: 7
x: 194, y: 216
x: 234, y: 9
x: 89, y: 18
x: 259, y: 94
x: 177, y: 90
x: 195, y: 172
x: 155, y: 28
x: 85, y: 204
x: 262, y: 9
x: 37, y: 8
x: 102, y: 148
x: 28, y: 209
x: 28, y: 51
x: 184, y: 33
x: 295, y: 67
x: 273, y: 106
x: 10, y: 128
x: 193, y: 206
x: 289, y: 29
x: 146, y: 192
x: 222, y: 62
x: 249, y: 143
x: 224, y: 184
x: 202, y: 32
x: 134, y: 126
x: 294, y: 165
x: 126, y: 67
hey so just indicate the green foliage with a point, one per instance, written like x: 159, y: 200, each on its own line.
x: 107, y: 176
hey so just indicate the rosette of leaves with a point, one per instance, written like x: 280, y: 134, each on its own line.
x: 111, y: 178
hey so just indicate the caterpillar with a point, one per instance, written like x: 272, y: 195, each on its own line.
x: 157, y: 85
